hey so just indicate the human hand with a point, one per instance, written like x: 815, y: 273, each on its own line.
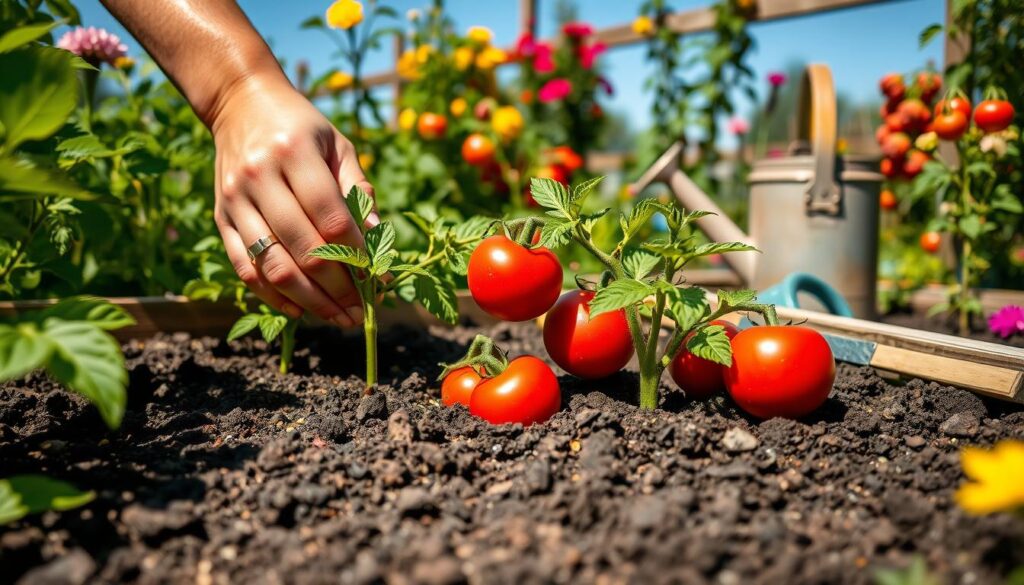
x: 282, y: 170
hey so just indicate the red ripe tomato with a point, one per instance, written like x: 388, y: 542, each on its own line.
x: 930, y: 242
x: 431, y: 126
x: 698, y: 377
x: 512, y: 282
x: 782, y: 371
x: 897, y: 122
x: 882, y: 133
x: 526, y: 392
x: 896, y: 145
x: 950, y: 126
x: 930, y: 84
x: 891, y: 168
x: 994, y: 115
x: 887, y: 200
x: 914, y: 164
x: 584, y: 347
x: 458, y: 386
x: 893, y: 87
x: 478, y: 150
x: 915, y: 112
x: 956, y: 104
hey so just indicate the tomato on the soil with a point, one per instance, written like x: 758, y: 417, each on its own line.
x: 457, y: 387
x: 950, y: 126
x: 956, y: 104
x: 887, y: 200
x: 930, y: 242
x: 478, y: 150
x: 431, y: 126
x: 784, y: 371
x: 512, y: 282
x: 584, y: 347
x: 698, y: 377
x: 994, y: 115
x: 526, y: 392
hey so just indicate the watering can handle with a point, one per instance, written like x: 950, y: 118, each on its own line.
x: 786, y: 294
x: 817, y: 126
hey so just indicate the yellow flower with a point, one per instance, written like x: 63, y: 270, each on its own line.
x: 423, y: 53
x: 458, y: 107
x: 124, y: 63
x: 643, y: 25
x: 463, y: 58
x: 408, y: 68
x: 997, y: 478
x: 344, y: 14
x: 507, y: 122
x: 480, y: 35
x: 338, y: 81
x: 490, y: 57
x: 365, y: 160
x: 407, y: 119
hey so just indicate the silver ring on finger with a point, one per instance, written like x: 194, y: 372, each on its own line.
x: 260, y: 246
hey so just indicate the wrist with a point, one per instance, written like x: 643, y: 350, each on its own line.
x: 248, y: 81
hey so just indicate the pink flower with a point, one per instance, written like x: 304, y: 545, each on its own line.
x: 95, y: 45
x: 577, y: 29
x: 1007, y: 321
x: 605, y: 85
x: 543, y: 61
x: 738, y: 126
x: 776, y: 78
x: 526, y: 46
x: 590, y: 53
x: 555, y: 90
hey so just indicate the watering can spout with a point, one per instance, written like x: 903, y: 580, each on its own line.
x: 718, y: 227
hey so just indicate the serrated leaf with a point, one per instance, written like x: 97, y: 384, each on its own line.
x: 400, y: 268
x: 360, y: 205
x: 419, y: 221
x: 243, y: 326
x: 383, y: 263
x: 88, y: 361
x: 21, y: 495
x: 95, y: 310
x: 736, y: 298
x: 552, y: 195
x: 711, y: 248
x: 686, y: 306
x: 438, y: 297
x: 338, y: 253
x: 619, y: 294
x: 458, y: 261
x: 271, y: 326
x: 711, y: 343
x: 639, y: 263
x: 380, y: 240
x: 583, y: 190
x: 556, y: 233
x: 473, y: 228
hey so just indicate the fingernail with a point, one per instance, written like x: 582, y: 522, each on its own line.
x: 356, y: 313
x: 342, y: 320
x: 373, y: 220
x: 291, y: 310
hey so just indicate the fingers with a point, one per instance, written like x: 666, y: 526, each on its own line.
x: 252, y: 278
x: 348, y: 173
x: 279, y: 269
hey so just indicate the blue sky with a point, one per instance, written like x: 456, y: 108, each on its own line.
x: 859, y: 44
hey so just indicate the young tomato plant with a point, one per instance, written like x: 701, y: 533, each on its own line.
x: 424, y: 277
x: 271, y: 325
x: 635, y: 273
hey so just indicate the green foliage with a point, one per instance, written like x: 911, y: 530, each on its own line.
x: 70, y: 342
x: 22, y: 495
x: 915, y: 574
x: 271, y: 325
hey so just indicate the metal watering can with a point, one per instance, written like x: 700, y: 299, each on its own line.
x: 811, y: 212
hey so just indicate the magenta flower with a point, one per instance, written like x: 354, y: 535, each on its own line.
x: 543, y: 58
x: 95, y: 45
x: 1007, y: 321
x: 577, y: 29
x: 777, y: 78
x: 738, y: 126
x: 590, y: 53
x: 526, y: 46
x: 555, y: 90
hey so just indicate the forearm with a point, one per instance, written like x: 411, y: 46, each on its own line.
x: 207, y: 47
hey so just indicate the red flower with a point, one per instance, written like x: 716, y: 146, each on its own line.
x: 577, y: 29
x: 526, y: 46
x: 590, y: 53
x: 554, y: 90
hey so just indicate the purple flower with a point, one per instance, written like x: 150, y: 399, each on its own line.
x: 1007, y: 321
x: 95, y: 45
x: 776, y: 78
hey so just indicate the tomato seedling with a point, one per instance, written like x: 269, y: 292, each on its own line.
x: 272, y: 325
x: 650, y: 270
x: 424, y: 277
x: 523, y: 390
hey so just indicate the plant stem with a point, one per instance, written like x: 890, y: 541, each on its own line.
x: 650, y: 377
x: 288, y: 345
x: 370, y: 333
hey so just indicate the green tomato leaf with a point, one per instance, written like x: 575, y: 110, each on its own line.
x: 553, y: 196
x: 556, y: 233
x: 458, y: 261
x: 383, y: 263
x: 21, y: 495
x: 438, y: 297
x: 38, y: 91
x: 23, y: 348
x: 380, y: 240
x: 687, y: 306
x: 970, y: 226
x: 360, y: 205
x: 473, y: 228
x: 271, y: 325
x: 711, y: 343
x: 736, y: 298
x: 19, y: 179
x: 1003, y: 198
x: 95, y: 310
x: 23, y: 35
x: 419, y: 221
x: 639, y: 263
x: 928, y: 34
x: 88, y: 361
x: 338, y: 253
x: 243, y: 326
x: 619, y: 294
x: 718, y: 248
x: 583, y: 190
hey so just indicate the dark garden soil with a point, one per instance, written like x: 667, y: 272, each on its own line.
x: 947, y: 325
x: 225, y: 472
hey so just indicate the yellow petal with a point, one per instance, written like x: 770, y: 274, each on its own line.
x: 980, y: 499
x: 344, y: 14
x: 338, y: 81
x: 407, y: 119
x: 463, y: 58
x: 480, y: 34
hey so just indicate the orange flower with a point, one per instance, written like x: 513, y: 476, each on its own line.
x: 344, y: 14
x: 458, y: 107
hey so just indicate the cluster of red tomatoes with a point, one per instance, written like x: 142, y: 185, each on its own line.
x: 906, y: 115
x: 776, y: 371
